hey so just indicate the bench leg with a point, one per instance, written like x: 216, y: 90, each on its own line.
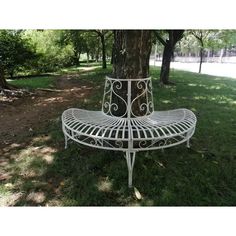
x: 188, y: 143
x: 66, y: 140
x: 188, y: 140
x: 130, y: 158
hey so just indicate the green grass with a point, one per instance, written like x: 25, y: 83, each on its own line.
x: 34, y: 82
x: 203, y: 175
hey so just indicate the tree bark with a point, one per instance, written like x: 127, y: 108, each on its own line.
x: 165, y: 66
x: 169, y: 46
x: 76, y: 58
x: 104, y: 61
x: 131, y: 54
x: 201, y: 56
x: 3, y: 82
x: 112, y: 53
x: 132, y: 50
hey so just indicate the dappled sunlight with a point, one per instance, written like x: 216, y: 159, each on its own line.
x: 199, y: 98
x: 80, y: 69
x: 9, y: 199
x: 193, y: 109
x: 193, y: 85
x: 215, y: 86
x: 89, y: 68
x: 166, y: 101
x: 41, y: 139
x: 37, y: 197
x: 219, y: 99
x: 54, y: 99
x: 27, y: 162
x: 24, y: 170
x: 10, y: 147
x: 104, y: 185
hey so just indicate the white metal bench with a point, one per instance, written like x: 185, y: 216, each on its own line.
x: 128, y: 122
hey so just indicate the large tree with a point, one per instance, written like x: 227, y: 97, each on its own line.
x: 15, y: 52
x: 173, y: 36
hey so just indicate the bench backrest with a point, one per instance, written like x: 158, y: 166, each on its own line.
x: 128, y: 98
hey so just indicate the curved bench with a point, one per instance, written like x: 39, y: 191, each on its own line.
x: 128, y: 122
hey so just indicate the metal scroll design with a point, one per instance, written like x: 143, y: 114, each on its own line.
x: 128, y: 97
x: 114, y: 104
x: 141, y: 98
x: 158, y: 143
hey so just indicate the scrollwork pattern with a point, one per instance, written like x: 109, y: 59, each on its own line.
x: 114, y: 99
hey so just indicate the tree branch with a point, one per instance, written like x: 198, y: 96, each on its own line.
x: 160, y: 39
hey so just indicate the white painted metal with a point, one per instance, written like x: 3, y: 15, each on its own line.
x: 127, y: 131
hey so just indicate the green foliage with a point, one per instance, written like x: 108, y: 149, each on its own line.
x: 52, y: 55
x: 223, y: 38
x: 34, y: 82
x: 76, y: 39
x: 212, y: 40
x: 16, y: 53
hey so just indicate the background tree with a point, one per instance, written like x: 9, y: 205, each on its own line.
x: 221, y: 40
x: 201, y: 36
x: 169, y: 42
x: 91, y: 44
x: 15, y: 52
x: 102, y: 34
x: 76, y: 39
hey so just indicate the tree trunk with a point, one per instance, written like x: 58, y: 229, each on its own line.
x: 112, y: 53
x: 76, y: 58
x: 131, y: 54
x: 87, y: 57
x: 104, y: 62
x: 201, y: 57
x: 97, y: 57
x: 155, y: 54
x: 165, y: 67
x: 169, y: 46
x: 3, y: 82
x: 131, y: 61
x: 221, y: 55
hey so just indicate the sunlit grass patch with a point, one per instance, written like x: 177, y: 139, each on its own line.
x: 34, y: 82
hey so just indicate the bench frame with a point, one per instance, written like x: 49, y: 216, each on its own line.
x: 128, y: 122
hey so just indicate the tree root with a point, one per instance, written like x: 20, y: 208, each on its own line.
x: 169, y: 83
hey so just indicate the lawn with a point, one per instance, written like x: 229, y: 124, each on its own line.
x: 34, y: 82
x: 43, y: 173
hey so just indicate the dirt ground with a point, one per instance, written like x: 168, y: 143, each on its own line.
x: 19, y: 117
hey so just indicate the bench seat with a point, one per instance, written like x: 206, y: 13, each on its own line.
x: 160, y: 129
